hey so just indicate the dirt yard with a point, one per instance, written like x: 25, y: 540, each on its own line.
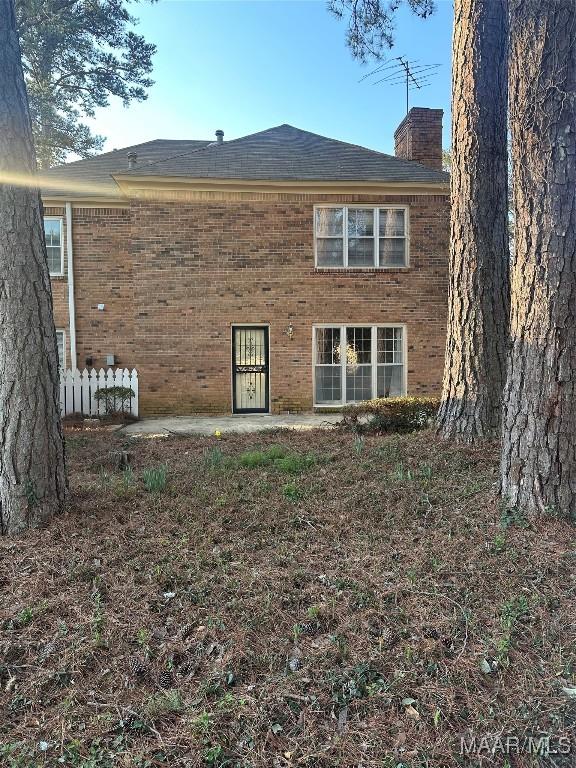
x: 283, y: 600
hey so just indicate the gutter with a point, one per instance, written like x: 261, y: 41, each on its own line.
x: 71, y: 302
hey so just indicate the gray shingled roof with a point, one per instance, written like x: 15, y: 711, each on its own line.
x: 97, y: 171
x: 283, y: 153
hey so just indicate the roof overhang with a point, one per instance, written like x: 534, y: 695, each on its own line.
x: 59, y: 201
x: 177, y: 187
x: 164, y: 186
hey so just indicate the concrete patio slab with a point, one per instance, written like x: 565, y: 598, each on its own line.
x: 208, y: 425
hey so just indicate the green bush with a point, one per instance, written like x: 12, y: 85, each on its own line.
x: 391, y: 414
x: 115, y: 399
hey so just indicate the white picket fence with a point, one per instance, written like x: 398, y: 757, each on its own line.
x: 77, y: 389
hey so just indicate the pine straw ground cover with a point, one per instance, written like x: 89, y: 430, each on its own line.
x: 312, y: 599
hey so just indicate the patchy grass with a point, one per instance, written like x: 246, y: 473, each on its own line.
x: 284, y: 600
x: 278, y: 457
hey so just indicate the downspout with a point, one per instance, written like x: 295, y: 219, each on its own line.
x: 71, y: 303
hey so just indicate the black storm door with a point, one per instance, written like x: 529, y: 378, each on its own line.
x: 250, y: 364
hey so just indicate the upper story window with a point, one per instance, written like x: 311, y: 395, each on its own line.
x: 361, y: 237
x: 54, y: 245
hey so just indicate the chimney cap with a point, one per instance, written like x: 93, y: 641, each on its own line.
x: 132, y: 159
x: 220, y: 136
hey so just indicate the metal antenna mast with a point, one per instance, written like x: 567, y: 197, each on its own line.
x: 401, y: 71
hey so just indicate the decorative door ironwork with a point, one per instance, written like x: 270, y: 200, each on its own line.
x: 250, y: 350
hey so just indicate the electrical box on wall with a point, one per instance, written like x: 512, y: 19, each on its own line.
x: 110, y: 360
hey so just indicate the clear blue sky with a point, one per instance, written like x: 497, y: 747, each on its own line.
x: 247, y: 65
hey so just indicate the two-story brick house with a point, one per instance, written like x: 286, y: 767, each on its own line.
x: 279, y: 271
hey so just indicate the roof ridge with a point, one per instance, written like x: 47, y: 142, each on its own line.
x: 151, y: 163
x: 403, y: 160
x: 199, y: 149
x: 110, y: 153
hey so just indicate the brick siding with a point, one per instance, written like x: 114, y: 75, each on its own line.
x: 175, y: 275
x: 419, y: 137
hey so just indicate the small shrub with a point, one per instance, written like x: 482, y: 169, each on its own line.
x: 114, y: 399
x: 391, y: 414
x: 155, y: 478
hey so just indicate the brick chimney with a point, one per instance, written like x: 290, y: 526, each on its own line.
x: 419, y: 137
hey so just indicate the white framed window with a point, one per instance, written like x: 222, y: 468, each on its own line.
x: 349, y: 237
x: 53, y: 227
x: 358, y: 362
x: 61, y: 341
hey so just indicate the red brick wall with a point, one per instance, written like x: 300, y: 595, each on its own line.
x: 419, y: 137
x: 176, y: 275
x: 103, y: 275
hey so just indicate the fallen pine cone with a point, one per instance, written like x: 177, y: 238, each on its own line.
x: 166, y: 679
x: 138, y: 666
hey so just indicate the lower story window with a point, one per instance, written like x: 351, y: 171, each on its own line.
x: 358, y: 362
x: 61, y: 341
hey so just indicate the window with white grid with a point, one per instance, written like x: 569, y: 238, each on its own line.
x: 54, y: 245
x: 356, y: 237
x: 358, y: 362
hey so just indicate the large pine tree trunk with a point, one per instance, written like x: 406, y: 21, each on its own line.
x: 539, y: 426
x: 477, y: 337
x: 32, y: 477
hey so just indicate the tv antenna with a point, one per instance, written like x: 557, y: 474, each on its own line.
x: 413, y: 74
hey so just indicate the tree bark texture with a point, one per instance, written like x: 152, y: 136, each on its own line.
x: 32, y: 476
x: 477, y: 334
x: 538, y: 464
